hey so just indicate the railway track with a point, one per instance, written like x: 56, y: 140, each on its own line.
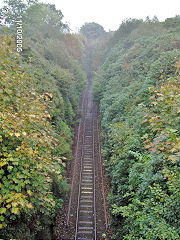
x: 86, y: 207
x: 87, y: 217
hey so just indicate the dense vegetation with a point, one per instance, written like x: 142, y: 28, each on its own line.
x: 137, y: 87
x: 136, y: 84
x: 95, y: 38
x: 39, y: 98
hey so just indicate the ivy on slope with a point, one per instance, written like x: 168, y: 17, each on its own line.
x: 39, y: 93
x: 137, y: 88
x: 52, y: 58
x: 27, y: 164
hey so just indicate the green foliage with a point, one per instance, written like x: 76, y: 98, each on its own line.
x: 54, y: 71
x: 94, y: 35
x: 45, y: 14
x: 13, y: 9
x: 27, y: 143
x: 39, y: 98
x: 92, y: 30
x: 137, y: 88
x: 125, y: 29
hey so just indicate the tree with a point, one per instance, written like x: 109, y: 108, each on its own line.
x: 155, y: 19
x: 26, y: 142
x: 45, y: 14
x: 148, y: 19
x: 92, y: 30
x: 13, y: 9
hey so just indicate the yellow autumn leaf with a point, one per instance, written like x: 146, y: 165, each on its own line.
x: 24, y: 133
x: 29, y: 205
x: 1, y: 226
x: 14, y: 204
x: 2, y: 164
x: 64, y: 164
x: 29, y: 192
x: 15, y: 210
x: 17, y: 134
x: 2, y: 210
x: 154, y: 103
x: 144, y: 121
x: 59, y: 177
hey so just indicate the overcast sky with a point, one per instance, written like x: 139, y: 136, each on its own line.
x: 110, y: 13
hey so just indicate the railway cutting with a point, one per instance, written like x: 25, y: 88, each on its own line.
x: 86, y: 209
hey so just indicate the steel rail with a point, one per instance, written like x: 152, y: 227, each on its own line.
x: 75, y: 164
x: 92, y: 125
x: 95, y: 231
x: 101, y: 164
x: 80, y: 179
x: 94, y: 175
